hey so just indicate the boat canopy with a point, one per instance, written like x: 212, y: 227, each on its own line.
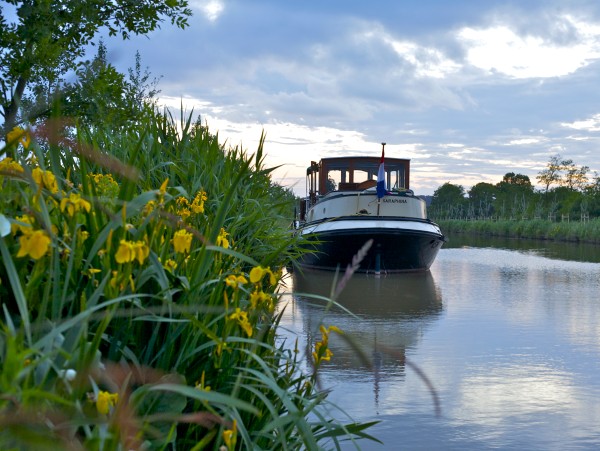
x: 356, y: 174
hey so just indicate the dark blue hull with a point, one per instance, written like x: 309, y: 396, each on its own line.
x: 392, y: 250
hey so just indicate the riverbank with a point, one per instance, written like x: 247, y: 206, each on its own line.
x: 587, y: 232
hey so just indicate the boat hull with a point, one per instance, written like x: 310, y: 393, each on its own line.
x: 399, y: 244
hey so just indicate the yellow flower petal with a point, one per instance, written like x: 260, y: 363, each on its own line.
x: 182, y: 241
x: 222, y: 239
x: 19, y: 135
x: 125, y: 253
x: 106, y: 400
x: 256, y: 274
x: 34, y: 244
x: 163, y: 187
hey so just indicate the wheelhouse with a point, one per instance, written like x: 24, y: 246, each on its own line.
x: 355, y: 174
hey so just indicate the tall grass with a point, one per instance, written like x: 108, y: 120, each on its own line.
x: 138, y: 288
x: 574, y: 231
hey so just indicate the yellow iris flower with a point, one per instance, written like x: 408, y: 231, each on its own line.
x: 235, y: 281
x: 322, y: 351
x: 242, y: 319
x: 170, y: 265
x: 230, y: 437
x: 182, y: 241
x: 222, y: 239
x: 258, y: 272
x: 259, y: 297
x: 25, y: 219
x: 45, y: 179
x: 198, y: 202
x: 73, y: 204
x: 10, y: 165
x: 35, y: 244
x: 129, y: 251
x: 20, y: 136
x: 106, y: 400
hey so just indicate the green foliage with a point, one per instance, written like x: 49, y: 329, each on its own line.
x: 551, y: 174
x: 515, y: 199
x: 511, y: 179
x: 482, y: 196
x: 448, y: 197
x: 138, y: 277
x: 48, y: 37
x: 102, y: 95
x: 535, y: 229
x: 563, y: 173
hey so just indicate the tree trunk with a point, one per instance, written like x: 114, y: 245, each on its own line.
x: 10, y: 111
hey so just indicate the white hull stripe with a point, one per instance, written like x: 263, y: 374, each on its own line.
x: 383, y: 225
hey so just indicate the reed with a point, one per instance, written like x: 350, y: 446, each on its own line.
x: 574, y: 231
x: 138, y: 286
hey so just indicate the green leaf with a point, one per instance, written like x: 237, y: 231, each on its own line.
x: 211, y: 397
x: 17, y: 289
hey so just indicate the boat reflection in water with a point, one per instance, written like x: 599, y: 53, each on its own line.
x: 389, y: 315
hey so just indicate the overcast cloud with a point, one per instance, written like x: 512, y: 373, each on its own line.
x: 468, y: 90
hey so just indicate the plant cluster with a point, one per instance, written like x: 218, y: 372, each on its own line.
x: 138, y: 286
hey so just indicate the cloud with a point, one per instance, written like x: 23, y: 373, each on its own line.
x: 591, y: 124
x: 490, y: 88
x: 489, y: 398
x: 210, y: 9
x: 524, y: 141
x: 500, y: 49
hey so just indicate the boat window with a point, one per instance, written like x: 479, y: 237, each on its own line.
x: 334, y: 177
x: 362, y: 176
x: 396, y: 179
x: 348, y: 173
x: 331, y: 185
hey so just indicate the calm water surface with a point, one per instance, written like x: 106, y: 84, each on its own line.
x: 508, y: 337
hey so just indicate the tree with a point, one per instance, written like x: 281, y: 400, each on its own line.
x: 482, y: 197
x: 97, y: 93
x: 101, y: 94
x: 46, y: 39
x: 512, y: 184
x: 449, y: 193
x: 551, y: 174
x: 515, y: 193
x: 512, y: 179
x: 575, y: 177
x: 482, y: 191
x: 140, y: 89
x: 448, y: 200
x: 592, y: 193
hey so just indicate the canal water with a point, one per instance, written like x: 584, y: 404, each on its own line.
x: 496, y: 347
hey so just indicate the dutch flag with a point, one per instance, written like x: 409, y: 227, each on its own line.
x: 381, y: 191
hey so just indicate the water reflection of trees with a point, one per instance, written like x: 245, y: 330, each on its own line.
x: 582, y: 252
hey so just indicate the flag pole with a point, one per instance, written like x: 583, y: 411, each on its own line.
x: 379, y: 173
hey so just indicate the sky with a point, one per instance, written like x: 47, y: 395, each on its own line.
x: 467, y: 89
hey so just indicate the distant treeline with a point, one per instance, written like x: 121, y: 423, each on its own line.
x: 569, y: 194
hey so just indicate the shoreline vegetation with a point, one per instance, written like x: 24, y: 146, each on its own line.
x: 140, y: 259
x: 538, y: 229
x: 139, y: 280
